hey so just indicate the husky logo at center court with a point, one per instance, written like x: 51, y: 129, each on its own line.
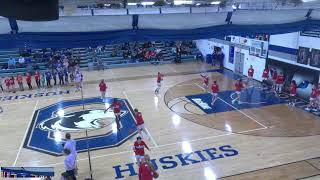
x: 79, y: 120
x: 50, y: 123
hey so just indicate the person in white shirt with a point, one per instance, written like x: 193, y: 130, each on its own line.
x: 69, y: 164
x: 70, y: 144
x: 21, y: 60
x: 78, y: 79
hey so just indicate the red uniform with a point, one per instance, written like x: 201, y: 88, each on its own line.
x: 7, y: 82
x: 37, y: 76
x: 159, y: 78
x: 139, y: 148
x: 139, y: 118
x: 250, y: 72
x: 265, y: 73
x: 274, y: 75
x: 11, y: 82
x: 103, y: 87
x: 239, y: 86
x: 206, y: 80
x: 116, y: 107
x: 280, y: 79
x: 19, y: 79
x: 293, y: 89
x: 314, y: 93
x: 28, y: 78
x: 215, y: 88
x: 145, y: 172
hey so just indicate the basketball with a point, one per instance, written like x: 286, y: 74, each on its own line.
x: 155, y: 175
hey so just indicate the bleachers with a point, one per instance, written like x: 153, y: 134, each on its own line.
x: 87, y: 57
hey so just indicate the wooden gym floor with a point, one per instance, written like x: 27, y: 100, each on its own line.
x: 272, y: 141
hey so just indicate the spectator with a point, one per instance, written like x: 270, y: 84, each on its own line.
x: 21, y: 61
x: 54, y: 76
x: 78, y: 79
x: 43, y: 80
x: 20, y: 82
x: 60, y: 74
x: 48, y: 78
x: 66, y: 76
x: 12, y: 63
x: 72, y: 76
x: 28, y: 79
x: 65, y: 63
x: 100, y: 64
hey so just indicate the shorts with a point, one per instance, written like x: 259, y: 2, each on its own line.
x: 214, y: 94
x: 292, y: 95
x: 238, y: 92
x: 159, y: 84
x: 312, y: 99
x: 139, y: 158
x: 140, y: 127
x: 117, y: 114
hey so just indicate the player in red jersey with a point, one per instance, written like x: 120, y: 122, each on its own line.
x: 265, y: 74
x: 116, y: 106
x: 293, y: 93
x: 28, y: 79
x: 138, y: 148
x: 37, y: 78
x: 146, y: 170
x: 159, y: 80
x: 103, y: 88
x: 7, y: 83
x: 20, y: 82
x: 250, y: 75
x: 12, y: 84
x: 205, y: 81
x: 238, y: 86
x: 313, y: 99
x: 274, y: 78
x: 140, y: 122
x: 279, y: 82
x: 265, y: 77
x: 214, y: 91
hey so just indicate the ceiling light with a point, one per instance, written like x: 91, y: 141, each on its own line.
x: 180, y: 2
x: 215, y: 2
x: 147, y: 3
x: 132, y: 4
x: 198, y: 4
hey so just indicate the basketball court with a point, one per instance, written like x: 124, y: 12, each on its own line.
x: 189, y: 138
